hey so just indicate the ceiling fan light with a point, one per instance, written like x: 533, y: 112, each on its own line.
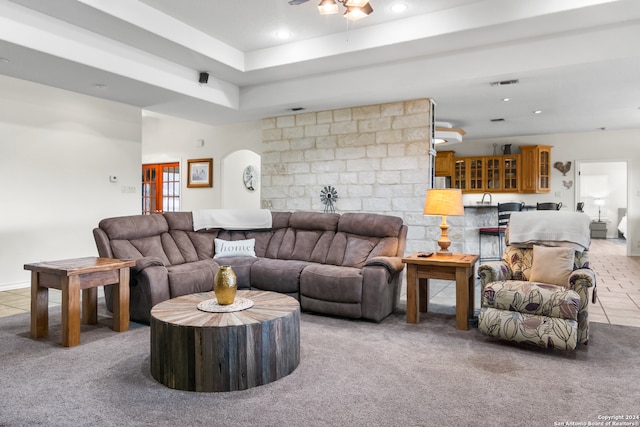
x: 328, y: 7
x: 355, y: 13
x: 356, y: 3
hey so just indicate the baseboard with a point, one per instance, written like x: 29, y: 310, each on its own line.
x: 12, y: 286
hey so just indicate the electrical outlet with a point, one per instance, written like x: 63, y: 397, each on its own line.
x: 113, y: 178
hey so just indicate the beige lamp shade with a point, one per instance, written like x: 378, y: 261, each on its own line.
x: 444, y: 201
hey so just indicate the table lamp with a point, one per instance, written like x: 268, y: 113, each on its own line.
x: 444, y: 201
x: 598, y: 203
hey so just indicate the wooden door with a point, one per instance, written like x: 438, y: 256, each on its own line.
x: 160, y: 188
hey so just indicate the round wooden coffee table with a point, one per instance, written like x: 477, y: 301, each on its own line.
x: 200, y: 351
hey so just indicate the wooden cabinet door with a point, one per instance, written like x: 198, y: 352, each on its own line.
x: 460, y: 174
x: 536, y: 169
x: 444, y: 163
x: 494, y: 174
x: 476, y: 169
x: 510, y: 173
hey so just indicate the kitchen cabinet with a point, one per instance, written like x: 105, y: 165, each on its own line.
x: 526, y: 172
x: 536, y: 168
x: 444, y: 163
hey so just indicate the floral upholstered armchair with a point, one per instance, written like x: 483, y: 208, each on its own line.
x: 539, y: 292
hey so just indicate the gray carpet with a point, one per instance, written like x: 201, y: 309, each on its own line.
x: 352, y: 373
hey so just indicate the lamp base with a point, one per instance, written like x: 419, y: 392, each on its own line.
x: 444, y: 241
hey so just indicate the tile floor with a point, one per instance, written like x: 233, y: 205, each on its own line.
x: 618, y: 283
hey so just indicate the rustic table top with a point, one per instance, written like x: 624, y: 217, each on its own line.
x: 76, y: 266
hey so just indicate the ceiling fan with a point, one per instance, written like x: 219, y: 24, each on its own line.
x: 356, y: 9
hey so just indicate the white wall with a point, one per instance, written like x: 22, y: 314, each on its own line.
x: 170, y: 139
x: 621, y: 145
x: 57, y: 151
x: 235, y: 194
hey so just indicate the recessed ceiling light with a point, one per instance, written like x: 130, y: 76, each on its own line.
x: 4, y: 60
x: 283, y: 34
x: 399, y: 7
x: 100, y: 86
x: 537, y: 112
x: 506, y: 99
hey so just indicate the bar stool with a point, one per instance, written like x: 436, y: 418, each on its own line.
x: 548, y: 206
x: 504, y: 213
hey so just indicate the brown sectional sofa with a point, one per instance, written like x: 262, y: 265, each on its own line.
x: 345, y: 265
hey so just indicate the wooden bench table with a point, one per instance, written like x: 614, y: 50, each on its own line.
x: 70, y: 276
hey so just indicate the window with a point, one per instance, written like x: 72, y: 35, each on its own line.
x: 160, y: 188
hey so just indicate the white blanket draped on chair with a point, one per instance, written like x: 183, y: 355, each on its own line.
x: 231, y: 219
x: 551, y: 228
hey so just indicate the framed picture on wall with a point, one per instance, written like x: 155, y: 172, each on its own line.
x: 199, y: 173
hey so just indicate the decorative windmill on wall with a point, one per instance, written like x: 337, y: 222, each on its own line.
x: 328, y: 197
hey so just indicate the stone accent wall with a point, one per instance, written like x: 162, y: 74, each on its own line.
x: 376, y: 157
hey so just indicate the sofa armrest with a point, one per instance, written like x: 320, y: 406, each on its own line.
x: 494, y: 272
x: 393, y: 264
x: 142, y: 263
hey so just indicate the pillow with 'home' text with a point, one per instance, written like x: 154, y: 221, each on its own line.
x: 228, y: 248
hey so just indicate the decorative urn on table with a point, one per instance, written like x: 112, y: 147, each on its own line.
x: 225, y: 285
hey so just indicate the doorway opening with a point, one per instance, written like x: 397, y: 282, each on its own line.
x: 160, y: 188
x: 602, y: 189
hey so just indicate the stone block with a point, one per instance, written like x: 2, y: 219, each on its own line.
x: 334, y: 166
x: 367, y: 177
x: 387, y: 177
x: 417, y: 106
x: 396, y: 150
x: 317, y: 130
x: 410, y: 121
x: 392, y: 109
x: 366, y: 112
x: 342, y: 115
x: 349, y: 178
x: 379, y: 150
x: 274, y: 134
x: 293, y: 132
x: 342, y: 128
x: 362, y: 191
x: 323, y: 154
x: 399, y: 163
x: 302, y: 143
x: 292, y: 156
x: 324, y: 117
x: 363, y: 165
x: 389, y: 136
x: 276, y: 145
x: 305, y: 179
x: 286, y: 121
x: 377, y: 204
x: 330, y: 141
x: 269, y: 123
x: 299, y: 167
x: 305, y: 119
x: 374, y: 125
x: 352, y: 140
x: 416, y: 134
x: 351, y: 153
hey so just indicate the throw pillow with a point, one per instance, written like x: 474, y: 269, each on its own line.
x: 227, y: 248
x: 552, y: 265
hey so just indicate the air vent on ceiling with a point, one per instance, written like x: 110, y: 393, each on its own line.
x: 297, y: 109
x: 505, y: 82
x: 497, y: 120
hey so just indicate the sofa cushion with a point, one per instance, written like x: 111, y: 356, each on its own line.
x: 368, y: 224
x: 191, y: 277
x: 138, y: 248
x: 552, y: 265
x: 134, y: 227
x: 277, y: 275
x: 332, y: 283
x: 531, y: 297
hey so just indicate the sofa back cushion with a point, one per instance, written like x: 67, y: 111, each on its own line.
x: 138, y: 236
x: 307, y: 238
x: 362, y: 236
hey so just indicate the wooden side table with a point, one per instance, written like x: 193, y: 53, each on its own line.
x: 71, y: 276
x: 458, y: 267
